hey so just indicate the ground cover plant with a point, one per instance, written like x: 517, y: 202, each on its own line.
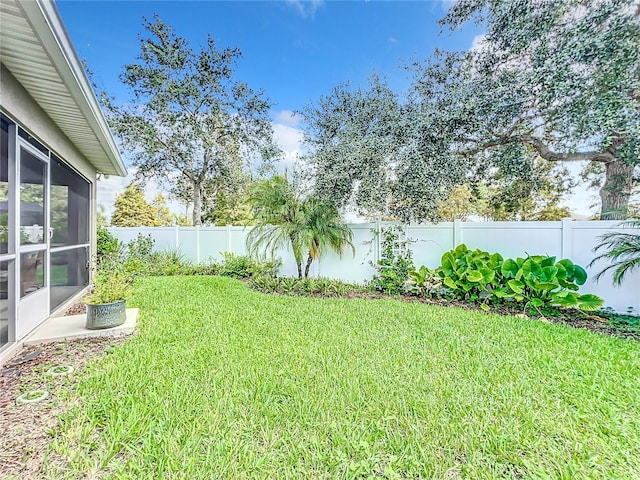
x: 225, y: 382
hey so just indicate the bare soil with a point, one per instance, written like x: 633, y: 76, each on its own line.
x: 27, y: 429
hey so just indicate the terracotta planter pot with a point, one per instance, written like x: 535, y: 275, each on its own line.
x: 106, y: 315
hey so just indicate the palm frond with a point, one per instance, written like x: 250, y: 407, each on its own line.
x: 621, y: 249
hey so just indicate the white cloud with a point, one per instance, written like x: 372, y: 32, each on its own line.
x: 478, y: 43
x: 447, y: 4
x: 290, y: 141
x: 393, y: 41
x: 306, y: 8
x: 288, y: 118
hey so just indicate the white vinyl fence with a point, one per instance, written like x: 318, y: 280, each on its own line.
x: 564, y: 239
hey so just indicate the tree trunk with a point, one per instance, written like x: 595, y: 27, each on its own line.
x: 616, y: 191
x: 306, y: 268
x: 299, y: 264
x: 197, y: 205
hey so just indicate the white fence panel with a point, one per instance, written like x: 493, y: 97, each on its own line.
x: 565, y: 239
x: 350, y: 267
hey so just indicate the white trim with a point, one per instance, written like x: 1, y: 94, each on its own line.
x: 69, y: 247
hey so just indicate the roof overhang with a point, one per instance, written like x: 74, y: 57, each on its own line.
x: 36, y: 49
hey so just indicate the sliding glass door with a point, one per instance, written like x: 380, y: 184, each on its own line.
x: 44, y: 232
x: 33, y: 236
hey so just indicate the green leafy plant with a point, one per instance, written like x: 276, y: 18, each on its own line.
x: 394, y: 265
x: 470, y: 274
x: 304, y: 286
x: 242, y: 266
x: 111, y: 282
x: 107, y: 245
x: 308, y: 226
x: 539, y: 280
x: 425, y: 281
x: 141, y: 246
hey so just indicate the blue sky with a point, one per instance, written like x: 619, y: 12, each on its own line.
x: 294, y: 50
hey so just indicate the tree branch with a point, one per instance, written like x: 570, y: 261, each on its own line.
x: 545, y: 152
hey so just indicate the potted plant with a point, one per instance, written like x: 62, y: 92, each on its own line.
x: 106, y: 304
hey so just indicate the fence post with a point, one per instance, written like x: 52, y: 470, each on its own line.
x: 197, y: 244
x: 566, y: 238
x: 228, y: 238
x: 457, y: 233
x: 177, y: 237
x: 378, y: 245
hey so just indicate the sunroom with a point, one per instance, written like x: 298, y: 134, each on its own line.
x: 54, y: 143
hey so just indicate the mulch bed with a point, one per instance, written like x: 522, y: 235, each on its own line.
x: 27, y: 429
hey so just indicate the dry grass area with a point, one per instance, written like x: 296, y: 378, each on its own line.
x: 27, y: 429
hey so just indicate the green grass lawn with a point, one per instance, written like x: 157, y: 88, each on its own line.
x: 223, y: 382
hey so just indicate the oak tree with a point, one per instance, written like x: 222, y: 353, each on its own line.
x: 189, y: 116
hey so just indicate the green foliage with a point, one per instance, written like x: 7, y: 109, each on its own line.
x: 394, y: 264
x: 190, y: 120
x: 163, y: 216
x: 537, y: 281
x: 556, y: 79
x: 107, y: 245
x: 112, y: 281
x: 370, y: 149
x: 324, y: 287
x: 305, y: 225
x: 141, y: 247
x: 132, y: 210
x: 471, y: 274
x: 541, y: 281
x: 622, y: 249
x: 627, y: 321
x: 426, y: 282
x: 242, y: 266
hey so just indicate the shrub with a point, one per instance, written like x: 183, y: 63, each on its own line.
x: 141, y: 247
x: 471, y: 274
x: 394, y: 265
x: 536, y: 281
x: 305, y: 286
x: 241, y: 266
x: 107, y: 245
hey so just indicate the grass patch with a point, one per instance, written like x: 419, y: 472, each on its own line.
x: 225, y: 382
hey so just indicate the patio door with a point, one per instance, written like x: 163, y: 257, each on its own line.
x: 32, y: 238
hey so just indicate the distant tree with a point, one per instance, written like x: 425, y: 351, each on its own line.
x: 559, y: 77
x: 162, y: 213
x: 530, y: 188
x: 182, y: 220
x: 459, y: 205
x: 189, y: 117
x: 308, y: 226
x: 132, y: 210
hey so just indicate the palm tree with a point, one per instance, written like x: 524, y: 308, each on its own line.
x: 622, y: 249
x: 283, y: 219
x: 323, y: 229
